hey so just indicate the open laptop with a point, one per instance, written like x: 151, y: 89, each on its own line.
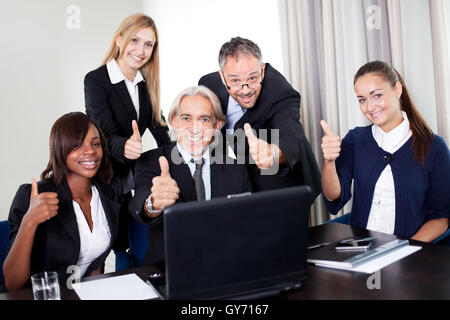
x: 241, y: 247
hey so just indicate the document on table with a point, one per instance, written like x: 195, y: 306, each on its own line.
x: 378, y: 263
x: 127, y: 287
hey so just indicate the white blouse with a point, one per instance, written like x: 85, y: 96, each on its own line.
x: 382, y: 212
x: 116, y: 75
x: 95, y: 243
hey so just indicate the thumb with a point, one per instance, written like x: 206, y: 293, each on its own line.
x: 136, y: 135
x: 34, y: 189
x: 164, y: 165
x: 252, y: 139
x: 325, y: 128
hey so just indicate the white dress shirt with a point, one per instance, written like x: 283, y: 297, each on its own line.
x: 382, y: 212
x: 95, y: 243
x: 116, y: 75
x: 206, y: 170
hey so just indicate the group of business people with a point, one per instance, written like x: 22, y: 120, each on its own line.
x: 76, y: 213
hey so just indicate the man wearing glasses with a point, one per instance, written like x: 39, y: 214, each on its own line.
x: 256, y: 98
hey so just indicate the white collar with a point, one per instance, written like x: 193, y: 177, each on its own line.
x: 393, y: 138
x: 116, y: 75
x: 187, y: 156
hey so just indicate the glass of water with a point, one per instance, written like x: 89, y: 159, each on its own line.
x: 45, y: 286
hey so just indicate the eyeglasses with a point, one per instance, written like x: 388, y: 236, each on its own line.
x: 251, y: 84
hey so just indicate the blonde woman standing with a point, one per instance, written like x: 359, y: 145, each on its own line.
x: 122, y: 95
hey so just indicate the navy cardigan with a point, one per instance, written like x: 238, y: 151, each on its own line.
x: 421, y: 192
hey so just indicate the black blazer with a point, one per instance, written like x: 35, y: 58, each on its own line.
x: 110, y: 106
x: 278, y: 107
x: 226, y: 179
x: 57, y: 241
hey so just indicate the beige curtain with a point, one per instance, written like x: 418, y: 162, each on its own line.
x: 328, y: 40
x: 439, y: 10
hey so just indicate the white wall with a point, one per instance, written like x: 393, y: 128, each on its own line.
x: 43, y: 64
x: 192, y: 32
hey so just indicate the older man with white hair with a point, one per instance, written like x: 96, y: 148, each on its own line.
x: 186, y: 170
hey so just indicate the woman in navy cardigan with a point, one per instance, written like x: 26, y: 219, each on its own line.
x: 399, y: 168
x: 71, y: 217
x: 122, y: 95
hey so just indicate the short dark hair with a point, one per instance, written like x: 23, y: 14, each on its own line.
x: 237, y: 46
x: 67, y: 132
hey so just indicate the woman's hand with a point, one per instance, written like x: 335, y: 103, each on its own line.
x: 42, y: 207
x: 331, y: 143
x: 133, y: 146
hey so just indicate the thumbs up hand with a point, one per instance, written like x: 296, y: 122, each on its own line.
x: 164, y: 191
x: 42, y: 207
x: 331, y: 143
x: 260, y: 150
x: 133, y: 147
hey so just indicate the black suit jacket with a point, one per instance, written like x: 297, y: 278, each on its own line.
x: 57, y: 241
x: 226, y: 179
x: 110, y: 106
x: 278, y: 107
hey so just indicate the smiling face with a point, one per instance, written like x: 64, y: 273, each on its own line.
x: 244, y: 69
x: 85, y: 159
x: 137, y: 52
x: 195, y: 124
x: 379, y: 101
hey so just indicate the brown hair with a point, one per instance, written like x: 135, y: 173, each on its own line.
x: 67, y: 132
x: 150, y: 70
x: 422, y: 135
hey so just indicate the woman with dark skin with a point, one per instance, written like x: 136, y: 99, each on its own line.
x: 71, y: 216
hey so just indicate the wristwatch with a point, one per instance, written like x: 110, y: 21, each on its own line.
x: 152, y: 213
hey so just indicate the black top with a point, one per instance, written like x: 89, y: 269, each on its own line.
x: 278, y: 107
x: 57, y: 241
x: 110, y: 106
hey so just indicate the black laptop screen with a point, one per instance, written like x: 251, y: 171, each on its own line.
x: 225, y: 245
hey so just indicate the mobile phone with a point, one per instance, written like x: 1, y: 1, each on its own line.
x: 353, y: 246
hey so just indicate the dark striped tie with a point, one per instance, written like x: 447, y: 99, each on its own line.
x: 198, y: 180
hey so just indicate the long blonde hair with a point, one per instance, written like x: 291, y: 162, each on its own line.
x: 150, y: 70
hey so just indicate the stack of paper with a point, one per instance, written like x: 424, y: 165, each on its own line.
x: 367, y: 262
x: 127, y: 287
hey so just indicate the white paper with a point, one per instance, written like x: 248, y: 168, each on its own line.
x: 127, y: 287
x: 378, y: 263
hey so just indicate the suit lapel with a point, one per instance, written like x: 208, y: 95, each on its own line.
x: 182, y: 175
x: 219, y: 180
x: 144, y: 106
x: 122, y: 90
x: 112, y: 211
x: 66, y: 213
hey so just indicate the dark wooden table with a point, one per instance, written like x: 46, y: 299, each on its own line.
x: 423, y: 275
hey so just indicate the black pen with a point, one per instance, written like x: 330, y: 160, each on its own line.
x: 320, y: 245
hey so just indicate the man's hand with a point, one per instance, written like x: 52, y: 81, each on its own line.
x: 165, y: 191
x: 260, y: 150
